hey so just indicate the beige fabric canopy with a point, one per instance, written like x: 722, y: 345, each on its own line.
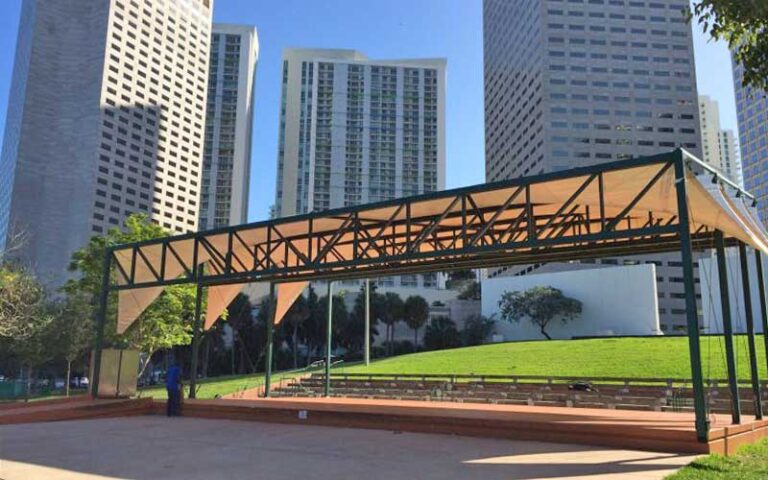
x: 490, y: 224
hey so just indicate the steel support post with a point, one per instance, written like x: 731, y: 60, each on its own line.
x: 195, y: 339
x: 763, y: 305
x: 725, y: 307
x: 694, y: 346
x: 750, y: 330
x: 270, y: 340
x: 101, y: 320
x: 368, y: 322
x: 328, y: 339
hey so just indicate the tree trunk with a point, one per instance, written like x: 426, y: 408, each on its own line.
x: 415, y: 339
x: 146, y: 364
x: 69, y: 375
x: 544, y: 332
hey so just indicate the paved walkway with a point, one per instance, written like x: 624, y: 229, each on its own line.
x: 183, y: 448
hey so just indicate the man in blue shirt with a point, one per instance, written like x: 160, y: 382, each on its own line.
x: 173, y: 387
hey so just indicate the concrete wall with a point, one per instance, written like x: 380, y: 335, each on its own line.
x: 618, y: 300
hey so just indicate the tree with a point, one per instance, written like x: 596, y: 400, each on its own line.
x: 416, y: 311
x: 340, y: 315
x: 540, y: 305
x: 393, y: 313
x: 441, y: 333
x: 476, y: 329
x: 244, y: 333
x: 743, y: 25
x: 25, y: 318
x: 295, y: 318
x: 471, y: 291
x: 74, y: 331
x: 167, y: 322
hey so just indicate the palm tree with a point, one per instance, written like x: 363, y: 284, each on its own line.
x: 416, y: 316
x: 393, y: 313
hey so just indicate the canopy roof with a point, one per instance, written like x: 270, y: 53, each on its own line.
x: 620, y: 208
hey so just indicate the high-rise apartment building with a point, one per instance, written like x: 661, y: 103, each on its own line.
x: 718, y: 146
x: 709, y: 119
x: 106, y: 118
x: 228, y: 125
x: 752, y: 114
x: 729, y: 156
x: 354, y: 131
x: 581, y: 82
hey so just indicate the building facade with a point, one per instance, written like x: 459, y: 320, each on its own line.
x: 582, y: 82
x: 355, y: 131
x: 106, y: 118
x: 752, y: 114
x: 228, y: 126
x: 730, y: 157
x: 718, y: 146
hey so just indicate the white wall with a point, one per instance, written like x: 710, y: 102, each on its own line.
x: 710, y: 292
x: 618, y: 300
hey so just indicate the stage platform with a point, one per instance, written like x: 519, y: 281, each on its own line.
x: 623, y: 429
x: 75, y: 408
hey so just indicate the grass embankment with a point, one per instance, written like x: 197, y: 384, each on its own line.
x: 660, y: 357
x: 750, y: 463
x: 208, y: 388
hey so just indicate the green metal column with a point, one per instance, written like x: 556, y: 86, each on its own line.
x: 750, y: 331
x: 368, y: 322
x: 694, y: 346
x: 195, y: 340
x: 101, y: 320
x: 725, y: 307
x: 328, y: 339
x: 763, y: 306
x: 270, y: 340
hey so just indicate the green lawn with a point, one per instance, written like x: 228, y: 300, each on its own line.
x: 660, y: 357
x: 750, y: 463
x: 211, y: 387
x: 664, y: 357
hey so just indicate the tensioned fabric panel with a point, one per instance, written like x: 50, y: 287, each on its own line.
x: 637, y: 194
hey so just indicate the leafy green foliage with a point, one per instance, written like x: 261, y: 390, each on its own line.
x: 393, y: 312
x: 477, y: 329
x: 540, y: 305
x: 743, y: 25
x: 441, y: 333
x: 164, y: 324
x: 471, y: 291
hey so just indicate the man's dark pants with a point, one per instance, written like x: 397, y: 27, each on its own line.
x: 173, y: 408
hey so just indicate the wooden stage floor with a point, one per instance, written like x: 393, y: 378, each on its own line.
x: 619, y: 429
x: 626, y: 429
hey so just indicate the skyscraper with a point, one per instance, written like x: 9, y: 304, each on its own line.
x: 354, y: 131
x: 729, y: 156
x: 752, y: 113
x: 106, y: 118
x: 717, y: 145
x: 581, y: 82
x: 228, y: 125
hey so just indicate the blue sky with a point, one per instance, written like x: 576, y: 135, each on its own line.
x: 380, y: 29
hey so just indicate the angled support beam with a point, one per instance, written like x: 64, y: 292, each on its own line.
x: 612, y: 224
x: 568, y: 202
x: 492, y: 221
x: 750, y: 331
x: 725, y: 307
x: 694, y: 346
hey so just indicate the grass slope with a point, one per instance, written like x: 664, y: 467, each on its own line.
x: 211, y: 387
x: 750, y: 463
x: 664, y: 357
